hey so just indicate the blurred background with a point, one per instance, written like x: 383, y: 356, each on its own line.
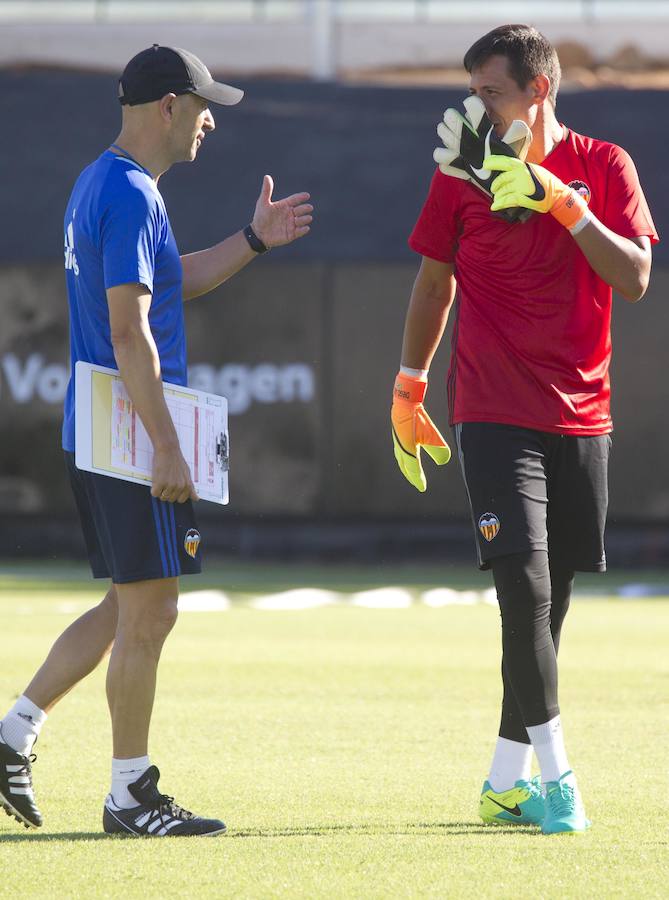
x: 342, y: 98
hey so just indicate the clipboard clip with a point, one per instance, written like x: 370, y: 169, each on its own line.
x: 223, y: 452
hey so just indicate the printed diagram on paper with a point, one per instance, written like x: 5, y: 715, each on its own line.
x: 201, y: 427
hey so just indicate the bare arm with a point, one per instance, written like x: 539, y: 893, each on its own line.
x: 206, y: 269
x: 275, y: 223
x: 624, y: 263
x: 429, y: 306
x: 138, y: 362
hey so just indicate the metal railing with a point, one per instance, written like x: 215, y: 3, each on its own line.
x: 341, y: 10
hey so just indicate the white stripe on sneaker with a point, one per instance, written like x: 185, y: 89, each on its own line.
x: 160, y: 827
x: 154, y: 825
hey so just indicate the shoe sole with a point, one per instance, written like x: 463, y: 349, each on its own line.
x: 513, y: 822
x: 132, y: 834
x: 124, y: 831
x: 12, y: 812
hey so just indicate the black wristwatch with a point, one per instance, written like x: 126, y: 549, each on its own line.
x: 254, y: 241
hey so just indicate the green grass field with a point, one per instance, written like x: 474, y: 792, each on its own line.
x: 345, y: 746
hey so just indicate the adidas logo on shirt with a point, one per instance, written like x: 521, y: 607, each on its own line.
x: 70, y: 256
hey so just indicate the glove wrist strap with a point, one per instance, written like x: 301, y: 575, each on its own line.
x: 420, y: 374
x: 580, y: 225
x: 570, y: 209
x: 409, y: 389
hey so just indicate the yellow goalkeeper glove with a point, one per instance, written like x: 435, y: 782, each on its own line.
x: 532, y: 186
x: 413, y: 429
x: 469, y: 139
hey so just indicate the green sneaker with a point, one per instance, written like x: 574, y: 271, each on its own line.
x: 564, y: 807
x: 520, y: 805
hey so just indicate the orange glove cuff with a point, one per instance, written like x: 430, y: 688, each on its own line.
x: 570, y: 209
x: 409, y: 389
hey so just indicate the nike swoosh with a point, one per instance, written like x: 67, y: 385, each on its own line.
x: 539, y: 192
x: 514, y: 810
x: 484, y: 174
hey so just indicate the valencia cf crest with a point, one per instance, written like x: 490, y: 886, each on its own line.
x: 582, y: 189
x: 192, y: 541
x: 489, y: 526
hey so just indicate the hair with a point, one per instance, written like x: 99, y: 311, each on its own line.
x: 528, y: 53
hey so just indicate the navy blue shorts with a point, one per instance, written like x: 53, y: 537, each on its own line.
x: 130, y: 535
x: 531, y: 490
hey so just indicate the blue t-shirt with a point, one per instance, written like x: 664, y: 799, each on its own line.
x: 117, y: 232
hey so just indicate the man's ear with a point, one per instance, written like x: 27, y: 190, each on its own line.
x: 540, y: 88
x: 166, y: 106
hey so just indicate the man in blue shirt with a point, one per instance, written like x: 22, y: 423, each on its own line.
x: 126, y: 285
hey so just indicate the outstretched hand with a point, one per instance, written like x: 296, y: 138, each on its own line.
x: 283, y: 221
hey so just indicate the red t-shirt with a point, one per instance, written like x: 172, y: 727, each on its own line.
x: 532, y: 338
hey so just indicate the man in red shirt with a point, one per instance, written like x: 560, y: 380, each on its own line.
x: 528, y: 385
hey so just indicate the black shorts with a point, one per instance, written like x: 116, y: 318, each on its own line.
x: 530, y: 490
x: 130, y: 535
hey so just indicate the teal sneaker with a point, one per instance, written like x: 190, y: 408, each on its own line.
x: 564, y: 807
x: 520, y: 805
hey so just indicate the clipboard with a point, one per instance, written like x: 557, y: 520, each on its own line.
x: 110, y: 438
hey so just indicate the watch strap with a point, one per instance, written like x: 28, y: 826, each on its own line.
x: 254, y: 241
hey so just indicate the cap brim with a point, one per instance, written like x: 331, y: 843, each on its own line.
x: 223, y: 94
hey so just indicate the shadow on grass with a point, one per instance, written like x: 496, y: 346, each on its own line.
x: 420, y: 829
x: 42, y: 836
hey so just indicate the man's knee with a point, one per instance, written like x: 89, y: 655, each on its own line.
x: 148, y: 610
x: 523, y: 588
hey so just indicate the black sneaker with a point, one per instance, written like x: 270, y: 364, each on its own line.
x: 157, y: 814
x: 16, y: 786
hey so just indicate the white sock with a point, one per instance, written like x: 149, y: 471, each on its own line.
x: 511, y: 762
x: 548, y: 743
x: 22, y: 724
x: 124, y: 772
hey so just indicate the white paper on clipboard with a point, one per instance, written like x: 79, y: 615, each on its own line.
x: 111, y: 440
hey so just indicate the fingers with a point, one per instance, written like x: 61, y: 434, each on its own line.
x: 439, y: 455
x: 475, y: 109
x: 410, y: 467
x: 303, y: 217
x: 304, y: 209
x: 174, y: 494
x: 165, y: 494
x: 519, y: 138
x: 187, y: 492
x: 267, y: 188
x: 507, y: 200
x: 298, y: 199
x: 448, y: 138
x: 444, y: 156
x: 501, y: 163
x: 502, y: 181
x: 453, y: 122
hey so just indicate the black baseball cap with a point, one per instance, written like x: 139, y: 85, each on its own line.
x: 168, y: 70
